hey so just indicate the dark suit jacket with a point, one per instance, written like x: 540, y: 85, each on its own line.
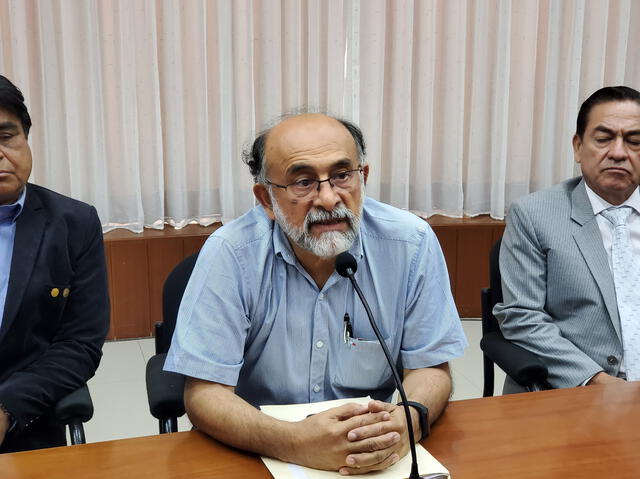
x: 56, y: 313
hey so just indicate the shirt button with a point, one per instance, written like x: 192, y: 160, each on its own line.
x: 316, y: 389
x: 612, y: 360
x: 319, y: 344
x: 321, y: 296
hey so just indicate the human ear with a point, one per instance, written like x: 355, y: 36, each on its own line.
x: 577, y: 144
x: 264, y: 198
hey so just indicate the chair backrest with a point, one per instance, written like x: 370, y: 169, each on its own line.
x: 489, y: 297
x: 493, y: 294
x: 172, y: 293
x: 495, y: 281
x: 521, y: 365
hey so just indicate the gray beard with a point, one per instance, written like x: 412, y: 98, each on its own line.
x: 328, y: 244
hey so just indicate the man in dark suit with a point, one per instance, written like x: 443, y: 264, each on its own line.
x: 54, y: 305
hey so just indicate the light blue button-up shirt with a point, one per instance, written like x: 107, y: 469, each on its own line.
x: 8, y: 216
x: 253, y: 318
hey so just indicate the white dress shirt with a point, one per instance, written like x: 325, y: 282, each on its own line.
x: 606, y: 228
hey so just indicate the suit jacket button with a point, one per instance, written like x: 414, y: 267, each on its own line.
x: 55, y: 292
x: 612, y: 360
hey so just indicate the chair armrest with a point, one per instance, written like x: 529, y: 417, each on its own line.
x: 75, y: 406
x: 522, y: 366
x: 164, y: 389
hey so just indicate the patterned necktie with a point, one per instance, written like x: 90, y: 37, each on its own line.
x: 626, y: 277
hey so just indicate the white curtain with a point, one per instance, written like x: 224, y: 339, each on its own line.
x: 142, y: 107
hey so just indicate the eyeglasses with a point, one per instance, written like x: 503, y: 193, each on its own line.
x: 343, y: 180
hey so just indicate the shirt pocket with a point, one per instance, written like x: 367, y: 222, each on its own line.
x: 361, y: 364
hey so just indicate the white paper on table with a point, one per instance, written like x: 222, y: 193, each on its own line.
x: 297, y: 412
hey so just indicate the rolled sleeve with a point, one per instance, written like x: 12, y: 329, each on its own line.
x: 432, y: 330
x: 212, y: 322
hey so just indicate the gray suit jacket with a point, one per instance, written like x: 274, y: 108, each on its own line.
x: 559, y: 297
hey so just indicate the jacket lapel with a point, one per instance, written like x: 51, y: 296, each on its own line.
x: 29, y: 231
x: 589, y: 242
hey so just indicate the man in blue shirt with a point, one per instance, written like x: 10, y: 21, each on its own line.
x: 263, y: 317
x: 54, y: 305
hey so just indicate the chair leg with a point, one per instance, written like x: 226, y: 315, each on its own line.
x: 168, y: 425
x: 76, y: 432
x: 488, y: 377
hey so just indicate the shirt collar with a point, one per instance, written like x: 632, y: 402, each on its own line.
x: 10, y: 213
x: 281, y: 244
x: 599, y: 204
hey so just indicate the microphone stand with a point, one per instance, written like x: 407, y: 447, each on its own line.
x: 396, y: 377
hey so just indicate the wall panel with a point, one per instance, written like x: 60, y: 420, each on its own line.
x: 163, y: 254
x: 448, y: 238
x: 130, y: 290
x: 138, y: 265
x: 466, y: 243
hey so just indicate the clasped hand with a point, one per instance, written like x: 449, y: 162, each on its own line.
x: 354, y: 439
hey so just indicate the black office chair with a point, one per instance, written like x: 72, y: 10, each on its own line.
x: 165, y: 389
x: 73, y: 410
x: 521, y: 365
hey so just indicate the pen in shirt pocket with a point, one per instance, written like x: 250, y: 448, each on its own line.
x: 347, y: 330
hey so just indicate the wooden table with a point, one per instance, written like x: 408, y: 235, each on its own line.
x: 584, y: 433
x: 588, y: 433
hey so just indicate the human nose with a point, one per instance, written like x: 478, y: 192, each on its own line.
x: 326, y: 197
x: 618, y: 152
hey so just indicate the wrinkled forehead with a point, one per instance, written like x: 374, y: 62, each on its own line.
x: 615, y: 114
x: 309, y: 138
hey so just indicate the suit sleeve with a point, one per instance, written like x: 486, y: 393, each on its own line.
x: 73, y: 354
x: 522, y: 315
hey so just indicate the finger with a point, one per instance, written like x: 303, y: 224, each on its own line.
x: 368, y: 459
x: 371, y: 430
x: 348, y: 410
x: 367, y: 419
x: 379, y: 406
x: 357, y: 469
x: 374, y: 445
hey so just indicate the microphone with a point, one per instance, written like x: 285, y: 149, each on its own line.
x: 346, y: 266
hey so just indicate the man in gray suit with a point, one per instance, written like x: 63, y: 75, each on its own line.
x: 560, y: 298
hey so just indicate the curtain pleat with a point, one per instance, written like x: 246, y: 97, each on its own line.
x: 143, y: 108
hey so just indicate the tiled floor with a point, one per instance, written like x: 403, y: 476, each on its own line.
x: 120, y: 399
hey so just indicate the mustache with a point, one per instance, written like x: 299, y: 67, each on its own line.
x: 317, y: 215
